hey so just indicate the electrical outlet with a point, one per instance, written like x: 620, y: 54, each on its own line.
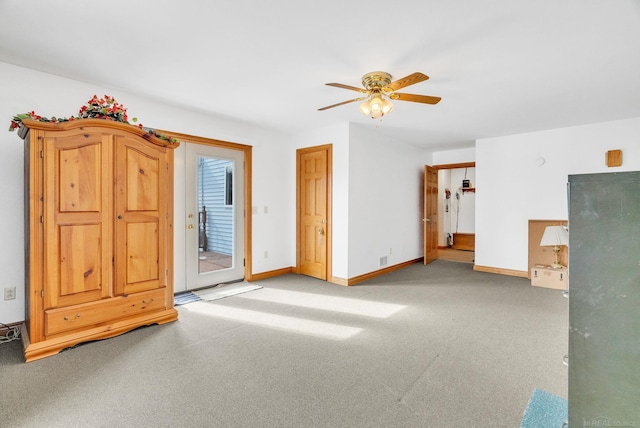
x: 9, y: 293
x: 266, y: 254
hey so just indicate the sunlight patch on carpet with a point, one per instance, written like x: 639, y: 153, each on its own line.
x: 280, y: 322
x: 327, y: 303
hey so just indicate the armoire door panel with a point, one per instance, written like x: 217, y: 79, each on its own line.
x: 142, y: 252
x: 80, y: 263
x: 142, y: 180
x: 79, y: 178
x: 77, y: 226
x: 140, y: 202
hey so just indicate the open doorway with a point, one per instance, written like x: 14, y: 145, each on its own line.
x: 456, y: 212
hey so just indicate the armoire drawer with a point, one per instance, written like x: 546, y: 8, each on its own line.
x: 94, y: 313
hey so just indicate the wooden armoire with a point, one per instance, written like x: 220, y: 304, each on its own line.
x: 99, y: 229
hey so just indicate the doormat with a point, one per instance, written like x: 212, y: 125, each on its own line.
x: 545, y: 410
x: 184, y: 298
x: 225, y: 290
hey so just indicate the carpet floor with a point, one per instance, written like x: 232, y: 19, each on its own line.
x: 426, y: 346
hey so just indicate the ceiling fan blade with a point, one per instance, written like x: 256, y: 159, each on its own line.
x: 342, y: 103
x: 353, y: 88
x: 411, y: 79
x: 425, y: 99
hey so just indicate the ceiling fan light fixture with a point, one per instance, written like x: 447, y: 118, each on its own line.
x: 364, y: 108
x: 376, y: 104
x: 387, y: 106
x: 379, y: 90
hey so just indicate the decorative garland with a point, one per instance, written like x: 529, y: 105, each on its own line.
x: 96, y: 108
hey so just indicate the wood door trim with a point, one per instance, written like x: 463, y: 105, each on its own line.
x: 455, y: 165
x: 299, y: 153
x: 248, y: 260
x: 500, y: 271
x: 427, y: 206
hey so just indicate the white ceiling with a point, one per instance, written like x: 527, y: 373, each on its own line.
x: 501, y: 66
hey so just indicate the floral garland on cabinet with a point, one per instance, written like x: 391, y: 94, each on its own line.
x: 106, y: 108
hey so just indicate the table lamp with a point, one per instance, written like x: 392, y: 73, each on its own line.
x: 554, y: 236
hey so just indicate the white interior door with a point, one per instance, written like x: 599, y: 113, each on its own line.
x: 214, y: 198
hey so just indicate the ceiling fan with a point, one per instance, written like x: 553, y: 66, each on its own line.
x: 379, y: 89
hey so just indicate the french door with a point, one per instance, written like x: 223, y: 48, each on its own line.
x: 214, y: 198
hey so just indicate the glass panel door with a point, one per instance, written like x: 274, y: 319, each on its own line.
x: 215, y: 215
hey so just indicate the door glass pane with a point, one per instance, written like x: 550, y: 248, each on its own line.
x: 215, y: 214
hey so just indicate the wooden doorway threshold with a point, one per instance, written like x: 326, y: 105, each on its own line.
x: 450, y: 254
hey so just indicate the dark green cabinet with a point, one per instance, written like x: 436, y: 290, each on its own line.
x: 604, y: 299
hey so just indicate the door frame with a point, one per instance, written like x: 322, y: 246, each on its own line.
x: 453, y: 166
x: 428, y: 208
x: 186, y: 138
x: 329, y: 196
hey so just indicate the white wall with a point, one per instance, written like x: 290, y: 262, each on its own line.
x: 454, y: 156
x: 377, y: 197
x: 385, y: 201
x: 338, y: 136
x: 514, y: 187
x: 25, y: 90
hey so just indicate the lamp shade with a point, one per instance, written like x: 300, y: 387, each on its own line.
x: 387, y: 106
x: 364, y: 108
x: 376, y: 104
x: 554, y: 236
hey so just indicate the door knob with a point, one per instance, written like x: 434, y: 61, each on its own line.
x: 190, y: 227
x: 426, y: 220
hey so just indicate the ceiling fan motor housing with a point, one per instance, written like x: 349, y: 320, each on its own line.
x: 376, y: 80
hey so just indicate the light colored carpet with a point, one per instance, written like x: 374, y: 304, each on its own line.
x: 450, y: 347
